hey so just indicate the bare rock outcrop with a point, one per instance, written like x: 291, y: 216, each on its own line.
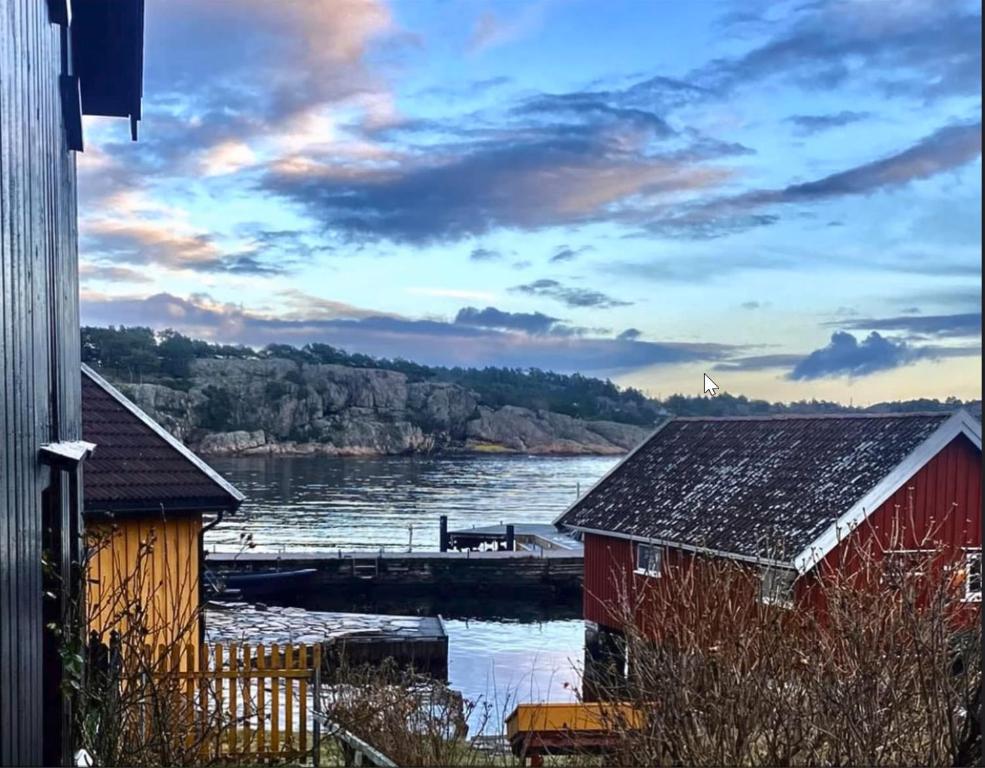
x: 277, y: 406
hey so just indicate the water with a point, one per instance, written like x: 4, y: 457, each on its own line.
x: 329, y: 503
x: 498, y: 664
x: 509, y: 654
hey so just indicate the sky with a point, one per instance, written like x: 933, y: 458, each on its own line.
x: 785, y: 195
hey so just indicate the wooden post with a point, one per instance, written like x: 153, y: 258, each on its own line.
x: 261, y: 698
x: 275, y: 698
x: 443, y: 533
x: 510, y: 538
x: 303, y: 663
x: 316, y: 706
x: 233, y: 713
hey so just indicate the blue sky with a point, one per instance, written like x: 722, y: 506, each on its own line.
x: 785, y: 195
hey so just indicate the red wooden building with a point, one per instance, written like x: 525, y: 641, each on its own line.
x: 786, y: 495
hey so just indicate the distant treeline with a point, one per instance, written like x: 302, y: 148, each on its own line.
x: 138, y: 354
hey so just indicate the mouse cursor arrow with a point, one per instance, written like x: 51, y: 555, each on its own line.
x: 711, y: 388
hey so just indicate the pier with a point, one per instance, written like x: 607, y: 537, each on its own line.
x: 519, y: 574
x: 524, y: 537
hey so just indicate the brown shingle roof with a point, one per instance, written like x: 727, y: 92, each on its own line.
x: 752, y: 487
x: 137, y: 465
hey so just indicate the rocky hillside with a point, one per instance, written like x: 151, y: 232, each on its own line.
x: 280, y: 406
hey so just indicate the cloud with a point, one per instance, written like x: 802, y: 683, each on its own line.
x: 957, y: 325
x: 525, y: 178
x: 168, y: 244
x: 428, y: 341
x: 599, y: 108
x: 948, y: 148
x: 485, y: 254
x: 924, y: 50
x: 110, y: 274
x: 809, y: 124
x: 209, y: 99
x: 630, y: 334
x: 490, y: 317
x: 566, y: 253
x: 759, y: 362
x: 845, y: 355
x: 571, y: 297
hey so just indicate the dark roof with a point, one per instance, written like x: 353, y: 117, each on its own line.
x: 752, y: 487
x: 136, y: 465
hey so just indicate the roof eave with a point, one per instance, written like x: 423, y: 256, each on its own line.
x: 699, y: 550
x: 113, y: 509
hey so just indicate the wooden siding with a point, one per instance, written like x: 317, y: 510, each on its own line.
x: 608, y: 567
x: 149, y: 562
x: 940, y: 506
x: 39, y: 347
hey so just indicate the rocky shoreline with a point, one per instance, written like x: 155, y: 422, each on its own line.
x: 275, y: 406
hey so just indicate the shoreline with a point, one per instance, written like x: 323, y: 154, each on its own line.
x: 299, y: 450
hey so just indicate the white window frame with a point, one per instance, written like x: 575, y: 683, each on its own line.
x: 655, y: 549
x: 972, y: 563
x: 769, y: 597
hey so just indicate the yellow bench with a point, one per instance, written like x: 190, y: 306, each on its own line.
x: 538, y: 729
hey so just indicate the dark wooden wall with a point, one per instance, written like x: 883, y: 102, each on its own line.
x: 39, y: 354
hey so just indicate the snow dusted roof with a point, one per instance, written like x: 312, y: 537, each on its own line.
x: 759, y: 488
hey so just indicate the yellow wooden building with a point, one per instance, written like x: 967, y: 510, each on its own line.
x: 148, y: 500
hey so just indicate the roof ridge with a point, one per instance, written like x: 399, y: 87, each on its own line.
x: 832, y: 416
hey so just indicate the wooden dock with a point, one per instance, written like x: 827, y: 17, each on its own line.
x: 526, y: 537
x: 519, y: 575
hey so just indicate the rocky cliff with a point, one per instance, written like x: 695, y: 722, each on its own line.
x: 245, y: 406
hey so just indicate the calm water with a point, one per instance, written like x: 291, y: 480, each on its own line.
x: 502, y: 663
x: 330, y: 503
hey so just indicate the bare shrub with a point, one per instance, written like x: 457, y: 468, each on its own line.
x: 134, y: 703
x: 880, y: 663
x: 412, y: 719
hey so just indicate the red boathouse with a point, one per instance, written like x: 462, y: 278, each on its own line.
x: 784, y: 495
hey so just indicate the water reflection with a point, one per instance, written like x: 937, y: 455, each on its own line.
x: 503, y: 663
x: 328, y: 503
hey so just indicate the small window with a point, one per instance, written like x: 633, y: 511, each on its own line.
x: 776, y: 587
x: 973, y: 576
x: 649, y: 560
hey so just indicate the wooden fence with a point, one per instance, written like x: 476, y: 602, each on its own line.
x: 262, y: 696
x: 225, y: 702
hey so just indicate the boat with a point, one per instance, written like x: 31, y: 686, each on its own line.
x: 268, y: 583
